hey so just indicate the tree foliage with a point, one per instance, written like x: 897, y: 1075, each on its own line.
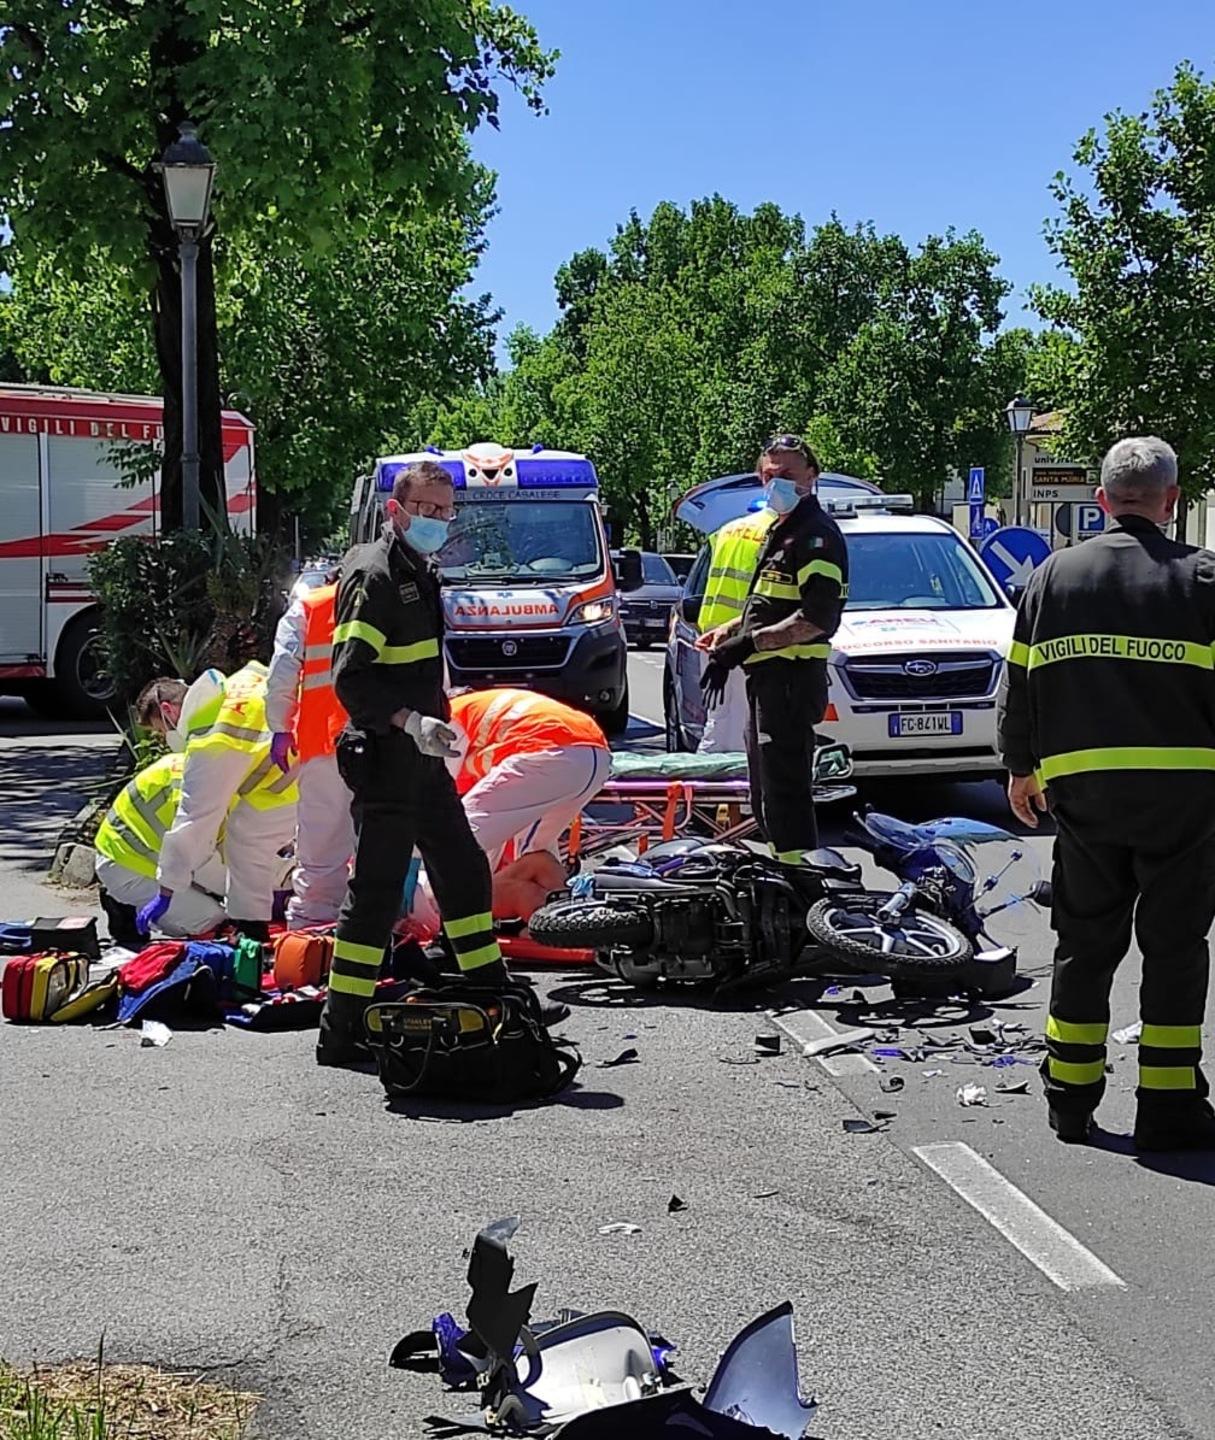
x: 325, y: 119
x: 1136, y: 236
x: 326, y: 354
x: 697, y: 334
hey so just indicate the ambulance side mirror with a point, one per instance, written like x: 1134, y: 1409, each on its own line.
x: 628, y: 571
x: 689, y: 608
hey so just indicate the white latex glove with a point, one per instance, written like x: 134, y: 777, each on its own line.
x: 431, y: 736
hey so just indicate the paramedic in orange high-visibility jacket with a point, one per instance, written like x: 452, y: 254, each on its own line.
x: 531, y: 764
x: 305, y: 718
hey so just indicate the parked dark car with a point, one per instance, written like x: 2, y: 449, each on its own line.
x: 681, y: 564
x: 646, y: 611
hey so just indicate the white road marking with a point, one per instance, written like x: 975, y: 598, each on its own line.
x: 1043, y: 1241
x: 803, y: 1027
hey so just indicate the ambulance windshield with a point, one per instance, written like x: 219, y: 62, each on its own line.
x: 522, y: 542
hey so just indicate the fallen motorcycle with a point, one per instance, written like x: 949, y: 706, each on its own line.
x: 728, y: 914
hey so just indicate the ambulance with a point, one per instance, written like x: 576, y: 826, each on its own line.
x: 528, y: 591
x: 66, y: 462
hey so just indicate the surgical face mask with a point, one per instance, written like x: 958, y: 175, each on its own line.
x: 175, y: 739
x: 783, y: 495
x: 425, y: 534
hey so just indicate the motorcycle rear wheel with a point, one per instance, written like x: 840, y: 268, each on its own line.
x: 590, y: 925
x: 920, y: 944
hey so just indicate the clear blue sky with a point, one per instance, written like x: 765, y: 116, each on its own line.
x: 913, y: 115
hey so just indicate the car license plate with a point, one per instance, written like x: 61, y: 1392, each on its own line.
x: 935, y: 722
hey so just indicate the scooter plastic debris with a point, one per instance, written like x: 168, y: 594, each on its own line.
x: 591, y: 1377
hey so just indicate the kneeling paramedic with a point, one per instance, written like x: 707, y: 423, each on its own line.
x: 528, y: 765
x: 1108, y: 710
x: 303, y: 712
x: 388, y: 674
x: 127, y: 847
x: 794, y: 601
x: 229, y: 783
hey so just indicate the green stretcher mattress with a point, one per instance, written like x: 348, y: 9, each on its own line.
x: 678, y: 767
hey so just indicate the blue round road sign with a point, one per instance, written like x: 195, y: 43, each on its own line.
x: 1014, y: 553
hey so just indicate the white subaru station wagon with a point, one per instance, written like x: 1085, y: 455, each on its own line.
x: 916, y: 663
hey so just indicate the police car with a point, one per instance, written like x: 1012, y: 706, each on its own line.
x: 917, y: 660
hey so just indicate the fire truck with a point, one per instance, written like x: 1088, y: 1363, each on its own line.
x: 73, y: 478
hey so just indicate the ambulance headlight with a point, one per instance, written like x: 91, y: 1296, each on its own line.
x: 595, y: 612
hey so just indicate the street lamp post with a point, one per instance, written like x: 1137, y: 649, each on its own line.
x: 188, y: 171
x: 1020, y: 416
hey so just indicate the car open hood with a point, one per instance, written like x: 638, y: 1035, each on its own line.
x: 864, y: 632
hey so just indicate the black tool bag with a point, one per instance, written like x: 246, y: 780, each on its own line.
x: 465, y: 1042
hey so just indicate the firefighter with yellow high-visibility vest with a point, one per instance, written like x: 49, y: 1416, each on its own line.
x: 388, y: 674
x: 229, y: 783
x: 1107, y: 712
x: 306, y: 717
x: 794, y: 602
x: 127, y: 851
x: 733, y: 552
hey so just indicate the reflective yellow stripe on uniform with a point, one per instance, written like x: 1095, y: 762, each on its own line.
x: 1172, y: 1037
x: 1168, y: 1077
x: 820, y: 567
x: 817, y: 651
x: 1126, y: 757
x: 1068, y: 1032
x: 360, y: 630
x: 365, y: 955
x: 776, y: 588
x: 1068, y: 1072
x: 409, y: 654
x: 1116, y: 647
x: 1018, y: 654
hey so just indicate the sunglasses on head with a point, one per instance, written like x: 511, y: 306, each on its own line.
x: 787, y: 442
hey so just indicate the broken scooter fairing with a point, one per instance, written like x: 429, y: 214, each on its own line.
x: 587, y: 1376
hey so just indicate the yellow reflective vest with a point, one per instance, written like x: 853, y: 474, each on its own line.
x: 240, y: 724
x: 135, y: 826
x: 733, y: 555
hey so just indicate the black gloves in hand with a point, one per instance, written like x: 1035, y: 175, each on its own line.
x: 722, y: 659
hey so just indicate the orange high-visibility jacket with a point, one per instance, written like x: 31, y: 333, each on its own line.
x: 503, y: 723
x: 321, y: 718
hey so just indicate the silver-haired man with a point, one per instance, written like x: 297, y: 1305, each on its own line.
x: 1108, y: 714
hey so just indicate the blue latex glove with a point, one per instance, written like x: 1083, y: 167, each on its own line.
x: 280, y: 749
x: 151, y: 912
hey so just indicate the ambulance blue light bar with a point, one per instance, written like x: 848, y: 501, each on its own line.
x: 567, y: 473
x: 386, y: 471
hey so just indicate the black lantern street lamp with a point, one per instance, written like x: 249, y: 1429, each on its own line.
x: 188, y: 171
x: 1020, y: 416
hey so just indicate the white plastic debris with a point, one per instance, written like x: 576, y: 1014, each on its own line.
x: 152, y: 1032
x: 932, y: 1074
x: 972, y: 1095
x: 620, y: 1227
x: 1129, y: 1034
x: 829, y: 1044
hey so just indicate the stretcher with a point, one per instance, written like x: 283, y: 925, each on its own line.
x: 650, y: 798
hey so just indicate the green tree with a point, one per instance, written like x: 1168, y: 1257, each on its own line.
x: 325, y: 353
x: 1136, y: 235
x: 319, y: 115
x: 920, y: 384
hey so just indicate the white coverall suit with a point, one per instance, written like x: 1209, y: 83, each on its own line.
x: 324, y: 839
x: 253, y: 837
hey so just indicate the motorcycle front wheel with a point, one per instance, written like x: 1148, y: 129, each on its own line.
x: 918, y: 943
x: 590, y: 925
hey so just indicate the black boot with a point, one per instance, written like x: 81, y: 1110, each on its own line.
x: 121, y: 921
x: 257, y: 930
x: 341, y: 1043
x: 1184, y: 1125
x: 1073, y: 1127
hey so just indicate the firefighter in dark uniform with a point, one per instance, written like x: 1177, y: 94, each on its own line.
x: 782, y: 638
x: 388, y: 673
x: 1108, y: 712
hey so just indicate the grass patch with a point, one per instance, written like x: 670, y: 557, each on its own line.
x: 94, y: 1401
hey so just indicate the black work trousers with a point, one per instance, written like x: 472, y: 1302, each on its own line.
x: 1106, y: 881
x: 785, y: 700
x: 402, y: 799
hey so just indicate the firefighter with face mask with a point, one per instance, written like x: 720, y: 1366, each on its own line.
x: 229, y: 782
x: 305, y: 716
x: 388, y: 675
x: 795, y: 597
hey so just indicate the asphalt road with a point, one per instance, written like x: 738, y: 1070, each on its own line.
x: 222, y: 1203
